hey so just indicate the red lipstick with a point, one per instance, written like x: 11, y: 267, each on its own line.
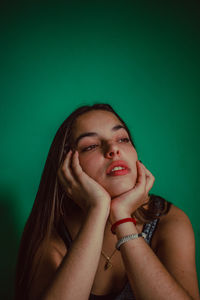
x: 123, y: 168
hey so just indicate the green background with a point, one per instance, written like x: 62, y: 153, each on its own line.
x: 142, y: 57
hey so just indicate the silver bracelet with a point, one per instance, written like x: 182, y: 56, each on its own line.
x: 129, y: 237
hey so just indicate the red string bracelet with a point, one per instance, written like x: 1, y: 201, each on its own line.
x: 121, y: 222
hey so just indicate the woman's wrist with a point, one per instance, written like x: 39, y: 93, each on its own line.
x: 99, y: 211
x: 118, y: 215
x: 125, y: 229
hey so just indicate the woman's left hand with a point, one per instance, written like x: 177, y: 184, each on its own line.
x: 124, y: 205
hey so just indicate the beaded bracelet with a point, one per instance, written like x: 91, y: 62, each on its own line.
x: 121, y: 222
x: 129, y: 237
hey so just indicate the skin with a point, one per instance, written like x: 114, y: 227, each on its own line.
x: 97, y: 152
x: 93, y: 156
x: 153, y: 273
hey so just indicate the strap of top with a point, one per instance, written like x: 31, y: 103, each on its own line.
x: 149, y: 229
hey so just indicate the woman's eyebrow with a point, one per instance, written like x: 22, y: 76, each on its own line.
x: 86, y: 134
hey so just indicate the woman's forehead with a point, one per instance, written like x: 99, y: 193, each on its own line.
x: 95, y: 120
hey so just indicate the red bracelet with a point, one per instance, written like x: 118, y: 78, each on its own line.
x: 121, y: 222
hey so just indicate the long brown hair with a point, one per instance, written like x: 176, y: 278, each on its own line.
x: 51, y: 202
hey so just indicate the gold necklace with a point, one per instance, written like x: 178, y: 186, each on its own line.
x: 108, y: 264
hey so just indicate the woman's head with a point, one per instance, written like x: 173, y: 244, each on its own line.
x: 100, y: 125
x: 106, y: 152
x: 64, y: 136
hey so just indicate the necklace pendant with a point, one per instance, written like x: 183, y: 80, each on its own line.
x: 108, y: 265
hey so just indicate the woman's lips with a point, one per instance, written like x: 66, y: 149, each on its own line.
x: 117, y: 168
x: 119, y: 172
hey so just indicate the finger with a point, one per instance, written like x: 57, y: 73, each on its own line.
x: 65, y: 170
x: 146, y: 201
x: 67, y: 179
x: 66, y: 184
x: 149, y: 182
x: 146, y: 170
x: 141, y: 178
x: 69, y: 191
x: 149, y: 179
x: 67, y: 160
x: 76, y: 168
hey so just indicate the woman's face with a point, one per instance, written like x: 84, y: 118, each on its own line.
x: 105, y: 151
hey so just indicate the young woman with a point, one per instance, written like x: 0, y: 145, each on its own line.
x: 94, y: 231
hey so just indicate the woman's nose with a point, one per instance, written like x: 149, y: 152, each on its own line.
x: 111, y: 151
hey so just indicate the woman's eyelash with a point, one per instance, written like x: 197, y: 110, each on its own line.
x: 123, y: 140
x: 126, y: 140
x: 89, y: 147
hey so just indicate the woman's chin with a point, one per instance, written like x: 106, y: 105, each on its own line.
x: 118, y: 190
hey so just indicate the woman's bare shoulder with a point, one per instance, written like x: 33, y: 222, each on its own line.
x: 46, y: 261
x: 54, y: 249
x: 58, y: 244
x: 175, y: 221
x: 176, y: 249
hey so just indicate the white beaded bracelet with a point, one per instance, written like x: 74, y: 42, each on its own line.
x: 129, y: 237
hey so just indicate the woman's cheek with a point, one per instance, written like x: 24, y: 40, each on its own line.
x: 84, y: 164
x: 88, y: 165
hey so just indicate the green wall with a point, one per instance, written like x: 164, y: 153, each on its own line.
x: 142, y: 57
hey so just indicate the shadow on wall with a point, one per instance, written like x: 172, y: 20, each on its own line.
x: 9, y: 243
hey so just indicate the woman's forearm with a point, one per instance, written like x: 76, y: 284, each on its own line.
x: 75, y: 276
x: 148, y: 277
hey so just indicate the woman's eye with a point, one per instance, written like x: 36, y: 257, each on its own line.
x: 124, y: 140
x: 89, y: 148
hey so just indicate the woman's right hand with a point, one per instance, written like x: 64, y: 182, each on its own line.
x: 85, y: 191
